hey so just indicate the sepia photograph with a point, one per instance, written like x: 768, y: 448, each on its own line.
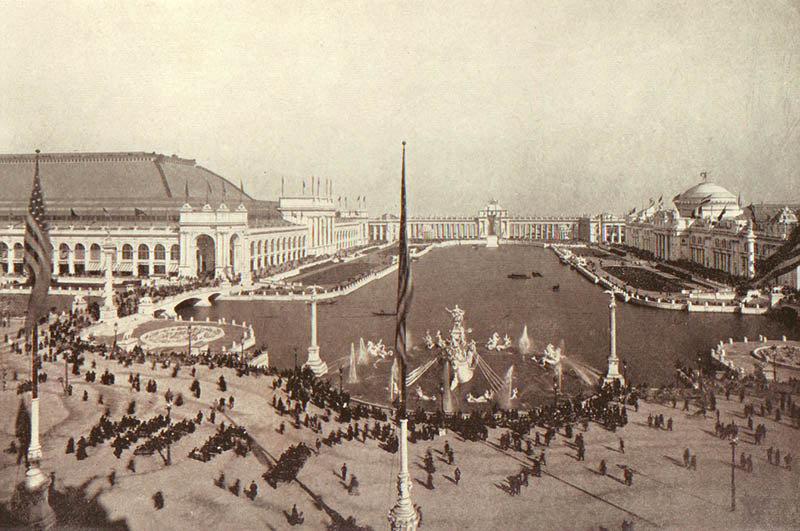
x: 399, y: 265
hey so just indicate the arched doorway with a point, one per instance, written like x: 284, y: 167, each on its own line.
x: 234, y: 253
x: 206, y: 252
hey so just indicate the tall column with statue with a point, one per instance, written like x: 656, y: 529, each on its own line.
x: 613, y: 374
x: 317, y: 366
x: 108, y: 312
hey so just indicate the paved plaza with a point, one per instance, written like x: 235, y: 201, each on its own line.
x: 571, y: 494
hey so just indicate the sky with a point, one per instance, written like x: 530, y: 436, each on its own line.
x: 547, y: 107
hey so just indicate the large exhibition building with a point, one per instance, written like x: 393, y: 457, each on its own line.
x: 709, y: 226
x: 164, y: 215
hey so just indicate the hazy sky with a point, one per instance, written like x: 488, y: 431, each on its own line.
x: 548, y: 107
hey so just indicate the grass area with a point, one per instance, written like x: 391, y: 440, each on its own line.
x: 645, y: 279
x: 342, y: 273
x: 591, y: 252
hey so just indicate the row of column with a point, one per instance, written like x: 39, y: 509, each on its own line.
x: 321, y: 231
x: 661, y: 246
x: 536, y: 231
x: 614, y: 231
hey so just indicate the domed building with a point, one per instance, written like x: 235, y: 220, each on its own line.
x: 164, y: 215
x: 708, y: 226
x: 707, y: 200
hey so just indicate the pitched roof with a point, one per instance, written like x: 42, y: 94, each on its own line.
x: 103, y: 176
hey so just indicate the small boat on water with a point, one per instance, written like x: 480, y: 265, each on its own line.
x: 556, y: 287
x: 535, y: 274
x: 324, y: 301
x: 518, y: 276
x: 384, y: 313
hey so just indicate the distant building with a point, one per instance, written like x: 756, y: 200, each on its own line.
x: 708, y: 226
x: 164, y: 216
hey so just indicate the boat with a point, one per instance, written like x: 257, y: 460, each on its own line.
x: 324, y: 301
x: 518, y: 276
x: 535, y: 274
x: 556, y: 287
x: 384, y: 313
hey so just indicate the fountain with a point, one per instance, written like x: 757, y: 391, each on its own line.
x: 352, y: 376
x: 524, y: 342
x: 363, y: 355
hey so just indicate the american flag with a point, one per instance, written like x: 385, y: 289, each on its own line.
x: 405, y: 289
x: 38, y: 261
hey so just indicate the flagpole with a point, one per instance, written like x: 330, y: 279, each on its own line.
x: 34, y: 476
x: 403, y: 516
x: 29, y: 504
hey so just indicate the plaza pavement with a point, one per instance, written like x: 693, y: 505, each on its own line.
x: 569, y: 495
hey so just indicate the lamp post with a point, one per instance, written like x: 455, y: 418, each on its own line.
x: 295, y: 357
x: 733, y: 442
x: 341, y: 375
x: 189, y: 352
x: 114, y: 348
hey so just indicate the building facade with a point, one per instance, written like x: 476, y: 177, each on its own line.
x: 162, y: 216
x: 708, y: 226
x: 492, y: 220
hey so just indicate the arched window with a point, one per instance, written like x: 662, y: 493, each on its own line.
x: 272, y: 246
x: 94, y: 253
x: 80, y: 252
x: 144, y: 252
x: 160, y: 252
x: 127, y: 252
x: 175, y: 252
x: 253, y: 248
x: 63, y: 252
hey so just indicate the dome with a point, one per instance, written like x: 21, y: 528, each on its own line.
x: 707, y: 199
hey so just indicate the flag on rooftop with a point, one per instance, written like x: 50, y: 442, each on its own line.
x: 37, y: 260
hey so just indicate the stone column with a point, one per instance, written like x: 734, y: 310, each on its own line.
x: 613, y: 362
x: 108, y: 312
x: 317, y: 366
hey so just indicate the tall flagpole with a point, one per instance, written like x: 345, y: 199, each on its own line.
x: 403, y: 516
x: 30, y: 505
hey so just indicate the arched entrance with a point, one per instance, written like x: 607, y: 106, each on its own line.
x: 234, y: 253
x: 206, y: 253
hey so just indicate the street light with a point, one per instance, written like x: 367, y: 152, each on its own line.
x: 189, y: 353
x: 341, y: 375
x: 733, y: 442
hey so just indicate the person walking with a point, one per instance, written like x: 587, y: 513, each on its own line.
x: 457, y: 475
x: 344, y: 472
x: 621, y: 446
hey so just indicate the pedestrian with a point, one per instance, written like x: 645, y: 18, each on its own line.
x: 788, y: 461
x: 686, y: 456
x: 344, y: 472
x: 693, y: 464
x: 457, y: 474
x: 621, y: 446
x: 158, y: 500
x: 669, y: 424
x: 769, y: 455
x: 603, y: 468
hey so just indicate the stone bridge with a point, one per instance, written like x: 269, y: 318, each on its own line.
x: 201, y: 297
